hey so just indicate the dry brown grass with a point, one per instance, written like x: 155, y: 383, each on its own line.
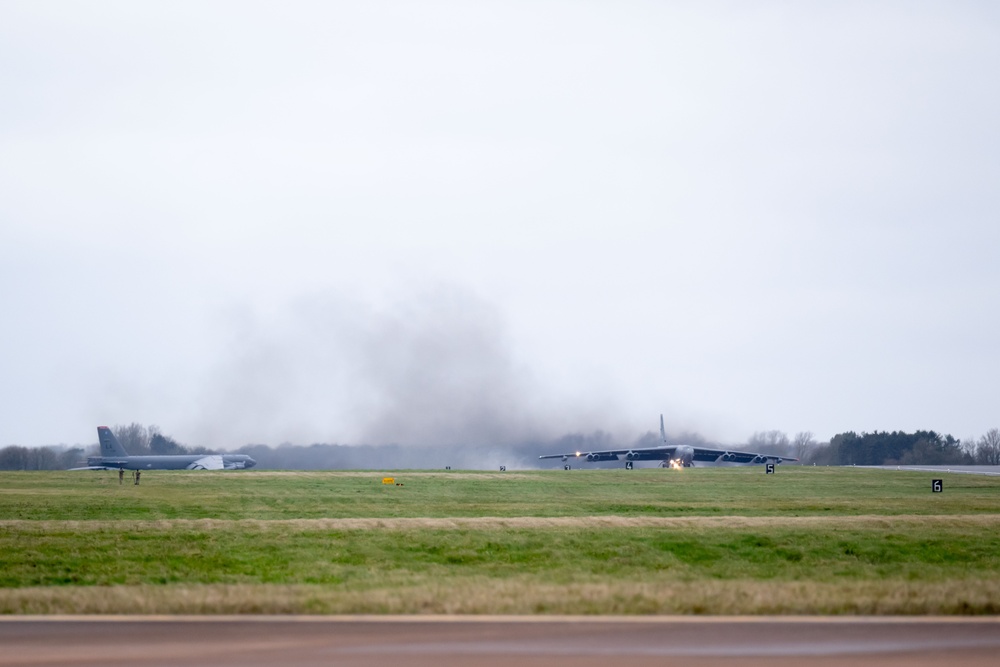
x: 971, y: 521
x: 518, y: 596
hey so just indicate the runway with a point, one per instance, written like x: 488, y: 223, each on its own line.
x: 416, y: 641
x: 990, y: 471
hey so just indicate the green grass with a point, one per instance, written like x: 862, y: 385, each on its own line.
x: 792, y: 491
x: 290, y: 553
x: 805, y: 540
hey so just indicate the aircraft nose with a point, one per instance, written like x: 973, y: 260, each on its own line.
x: 250, y: 462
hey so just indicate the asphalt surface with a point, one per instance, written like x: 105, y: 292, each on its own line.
x: 524, y: 641
x: 992, y: 471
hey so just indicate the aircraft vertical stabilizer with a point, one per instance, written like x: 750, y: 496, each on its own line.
x: 109, y: 443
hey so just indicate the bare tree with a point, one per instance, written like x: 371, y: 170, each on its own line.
x: 988, y: 448
x: 14, y: 457
x: 134, y: 438
x: 803, y: 444
x: 769, y: 442
x: 72, y: 457
x: 32, y: 458
x: 968, y: 446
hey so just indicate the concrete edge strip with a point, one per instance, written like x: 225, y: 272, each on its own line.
x: 447, y: 618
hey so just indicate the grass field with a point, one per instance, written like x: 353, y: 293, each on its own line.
x: 723, y: 540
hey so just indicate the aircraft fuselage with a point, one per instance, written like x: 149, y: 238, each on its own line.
x: 174, y: 462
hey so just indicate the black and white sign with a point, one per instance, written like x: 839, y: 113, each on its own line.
x: 566, y: 467
x: 937, y: 485
x: 769, y: 468
x: 503, y: 468
x: 628, y: 465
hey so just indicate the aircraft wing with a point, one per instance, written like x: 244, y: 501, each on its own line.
x: 683, y: 454
x: 94, y: 468
x: 668, y: 452
x: 639, y: 454
x: 209, y: 462
x: 707, y: 455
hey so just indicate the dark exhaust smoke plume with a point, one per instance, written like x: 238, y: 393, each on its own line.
x: 434, y: 372
x: 430, y: 382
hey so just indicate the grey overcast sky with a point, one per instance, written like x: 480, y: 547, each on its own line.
x: 490, y: 222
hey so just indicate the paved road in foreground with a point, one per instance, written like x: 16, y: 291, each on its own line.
x: 525, y: 641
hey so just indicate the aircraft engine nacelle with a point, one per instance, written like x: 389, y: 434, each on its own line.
x: 593, y: 457
x: 630, y: 456
x: 760, y: 459
x: 728, y: 457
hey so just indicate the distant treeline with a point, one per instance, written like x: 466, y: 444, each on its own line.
x: 15, y: 457
x: 137, y: 439
x: 895, y: 448
x: 878, y: 448
x: 882, y: 448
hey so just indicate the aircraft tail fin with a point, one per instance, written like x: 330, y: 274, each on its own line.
x: 663, y: 431
x: 109, y: 443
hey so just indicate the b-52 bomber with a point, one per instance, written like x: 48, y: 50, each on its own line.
x: 674, y: 456
x: 114, y: 457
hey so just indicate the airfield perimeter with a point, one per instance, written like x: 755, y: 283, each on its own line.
x: 700, y: 541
